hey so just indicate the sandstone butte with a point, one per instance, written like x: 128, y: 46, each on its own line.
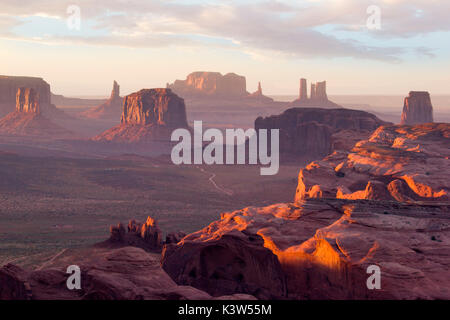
x: 8, y: 90
x: 417, y: 108
x: 111, y: 109
x: 28, y: 118
x: 316, y: 132
x: 318, y: 96
x: 214, y: 85
x: 148, y: 115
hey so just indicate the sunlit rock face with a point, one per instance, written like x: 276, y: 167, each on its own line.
x: 8, y: 91
x: 111, y: 109
x: 28, y: 120
x: 384, y: 203
x: 401, y: 163
x: 316, y: 132
x: 27, y: 100
x: 148, y: 115
x: 211, y: 84
x: 417, y: 108
x: 154, y: 107
x: 324, y: 247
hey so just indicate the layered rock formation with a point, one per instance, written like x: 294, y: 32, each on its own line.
x: 417, y: 108
x: 107, y: 273
x: 8, y: 90
x: 225, y: 265
x: 318, y: 96
x: 384, y: 204
x: 215, y: 86
x: 28, y: 119
x: 397, y: 163
x: 230, y: 85
x: 315, y: 132
x: 324, y: 248
x: 148, y: 115
x: 111, y: 109
x: 27, y: 101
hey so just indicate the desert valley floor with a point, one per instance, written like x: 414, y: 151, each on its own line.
x: 48, y: 204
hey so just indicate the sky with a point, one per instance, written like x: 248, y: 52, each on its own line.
x: 386, y: 47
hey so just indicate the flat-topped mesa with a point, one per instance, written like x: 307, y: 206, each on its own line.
x: 230, y: 85
x: 154, y: 107
x: 316, y: 132
x: 27, y: 101
x: 8, y: 91
x: 417, y: 108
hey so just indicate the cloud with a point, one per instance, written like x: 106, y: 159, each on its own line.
x: 286, y: 28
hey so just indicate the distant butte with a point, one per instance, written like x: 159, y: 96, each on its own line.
x: 316, y: 132
x: 318, y: 96
x: 417, y: 108
x: 214, y: 85
x: 148, y: 115
x: 28, y: 118
x: 111, y: 109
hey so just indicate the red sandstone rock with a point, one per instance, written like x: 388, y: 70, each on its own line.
x: 303, y: 90
x: 312, y: 132
x: 225, y: 264
x: 397, y: 162
x: 28, y: 119
x: 107, y: 273
x: 148, y: 115
x: 324, y: 247
x: 417, y: 108
x: 318, y: 96
x: 210, y: 84
x: 175, y: 237
x: 13, y: 284
x: 8, y: 91
x: 111, y: 109
x: 27, y: 100
x: 146, y: 235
